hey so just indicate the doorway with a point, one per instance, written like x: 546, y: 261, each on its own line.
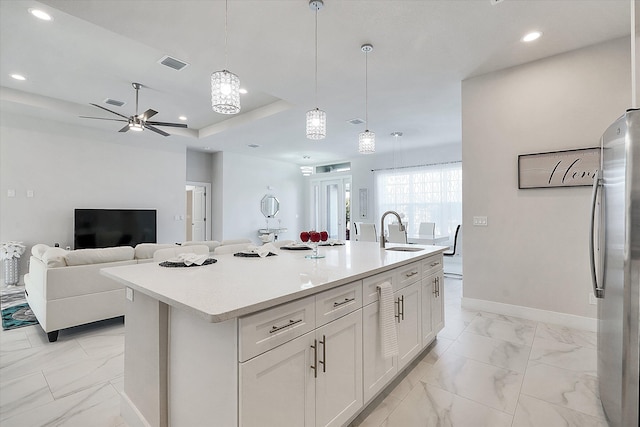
x: 197, y: 226
x: 330, y: 206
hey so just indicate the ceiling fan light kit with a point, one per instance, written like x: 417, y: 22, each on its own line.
x: 316, y: 118
x: 225, y: 86
x: 137, y: 122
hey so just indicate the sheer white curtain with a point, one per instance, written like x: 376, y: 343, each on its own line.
x: 430, y: 193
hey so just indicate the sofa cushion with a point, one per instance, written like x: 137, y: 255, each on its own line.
x: 54, y: 257
x: 146, y: 250
x: 39, y: 250
x: 99, y: 256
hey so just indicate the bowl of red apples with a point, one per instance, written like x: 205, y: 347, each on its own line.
x: 314, y: 237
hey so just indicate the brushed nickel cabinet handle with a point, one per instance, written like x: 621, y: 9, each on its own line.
x: 315, y: 358
x: 324, y: 353
x: 402, y: 304
x: 279, y: 328
x: 346, y: 300
x: 413, y: 273
x: 397, y: 303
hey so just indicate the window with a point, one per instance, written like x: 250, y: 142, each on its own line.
x: 422, y: 194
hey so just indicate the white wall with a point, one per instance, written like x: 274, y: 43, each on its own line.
x: 70, y: 167
x: 534, y: 252
x: 240, y: 182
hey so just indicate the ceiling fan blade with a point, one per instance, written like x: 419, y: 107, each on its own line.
x: 148, y: 114
x: 156, y: 130
x: 103, y: 118
x: 112, y: 112
x: 175, y: 125
x: 124, y: 129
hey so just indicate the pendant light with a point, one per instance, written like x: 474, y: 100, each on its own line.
x: 366, y: 139
x: 316, y: 118
x: 225, y: 86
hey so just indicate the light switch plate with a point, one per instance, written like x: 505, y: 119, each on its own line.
x: 480, y: 221
x: 129, y: 294
x: 11, y: 193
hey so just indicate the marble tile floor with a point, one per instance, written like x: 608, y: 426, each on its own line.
x: 484, y: 369
x: 491, y: 370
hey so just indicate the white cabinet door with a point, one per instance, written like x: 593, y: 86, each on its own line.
x: 277, y: 388
x: 428, y: 288
x: 377, y: 371
x: 437, y: 303
x: 339, y: 381
x: 409, y: 327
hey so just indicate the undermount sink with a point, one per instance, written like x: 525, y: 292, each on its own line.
x: 404, y: 249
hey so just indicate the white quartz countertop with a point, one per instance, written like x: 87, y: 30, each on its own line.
x: 236, y: 286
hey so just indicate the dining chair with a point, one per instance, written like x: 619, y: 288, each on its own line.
x: 427, y: 229
x: 395, y: 235
x: 367, y: 232
x: 168, y: 253
x: 455, y: 242
x: 228, y: 249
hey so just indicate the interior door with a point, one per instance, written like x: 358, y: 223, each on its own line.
x: 329, y: 210
x: 198, y: 214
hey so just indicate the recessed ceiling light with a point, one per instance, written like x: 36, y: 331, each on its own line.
x: 534, y: 35
x: 18, y: 77
x: 183, y: 118
x: 243, y: 91
x: 40, y: 14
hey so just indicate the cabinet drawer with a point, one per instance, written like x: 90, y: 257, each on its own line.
x: 409, y: 274
x: 431, y: 265
x: 337, y: 302
x: 269, y: 328
x: 369, y: 285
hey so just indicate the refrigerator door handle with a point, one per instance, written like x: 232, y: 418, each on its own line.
x: 597, y: 183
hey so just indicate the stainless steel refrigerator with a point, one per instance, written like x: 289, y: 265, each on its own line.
x: 615, y: 269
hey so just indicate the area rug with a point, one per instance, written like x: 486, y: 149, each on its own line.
x: 16, y: 313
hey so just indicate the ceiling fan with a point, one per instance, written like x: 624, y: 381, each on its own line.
x: 138, y: 122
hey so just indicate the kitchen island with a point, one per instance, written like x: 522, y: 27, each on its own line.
x: 277, y: 341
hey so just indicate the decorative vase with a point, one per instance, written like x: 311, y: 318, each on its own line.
x: 11, y: 274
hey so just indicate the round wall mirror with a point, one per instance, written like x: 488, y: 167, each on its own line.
x: 270, y: 206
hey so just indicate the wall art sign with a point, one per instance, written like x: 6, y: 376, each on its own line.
x: 571, y: 168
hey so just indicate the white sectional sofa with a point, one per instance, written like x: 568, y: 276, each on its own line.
x: 65, y: 288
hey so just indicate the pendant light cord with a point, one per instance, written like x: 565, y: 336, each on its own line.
x: 226, y: 51
x: 366, y: 89
x: 316, y: 35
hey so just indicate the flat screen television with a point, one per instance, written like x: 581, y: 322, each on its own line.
x: 102, y: 228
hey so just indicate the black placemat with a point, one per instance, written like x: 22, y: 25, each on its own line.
x: 296, y: 248
x: 245, y: 255
x: 182, y: 264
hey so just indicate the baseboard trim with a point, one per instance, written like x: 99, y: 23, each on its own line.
x: 563, y: 319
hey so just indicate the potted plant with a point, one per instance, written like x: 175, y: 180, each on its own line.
x: 10, y: 253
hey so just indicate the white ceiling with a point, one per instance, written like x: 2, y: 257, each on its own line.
x: 95, y: 49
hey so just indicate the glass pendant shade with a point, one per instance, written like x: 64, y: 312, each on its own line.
x: 316, y: 124
x: 225, y: 92
x: 366, y: 142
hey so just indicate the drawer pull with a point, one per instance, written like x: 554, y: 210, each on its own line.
x: 413, y: 273
x: 279, y: 328
x: 346, y: 300
x: 433, y: 264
